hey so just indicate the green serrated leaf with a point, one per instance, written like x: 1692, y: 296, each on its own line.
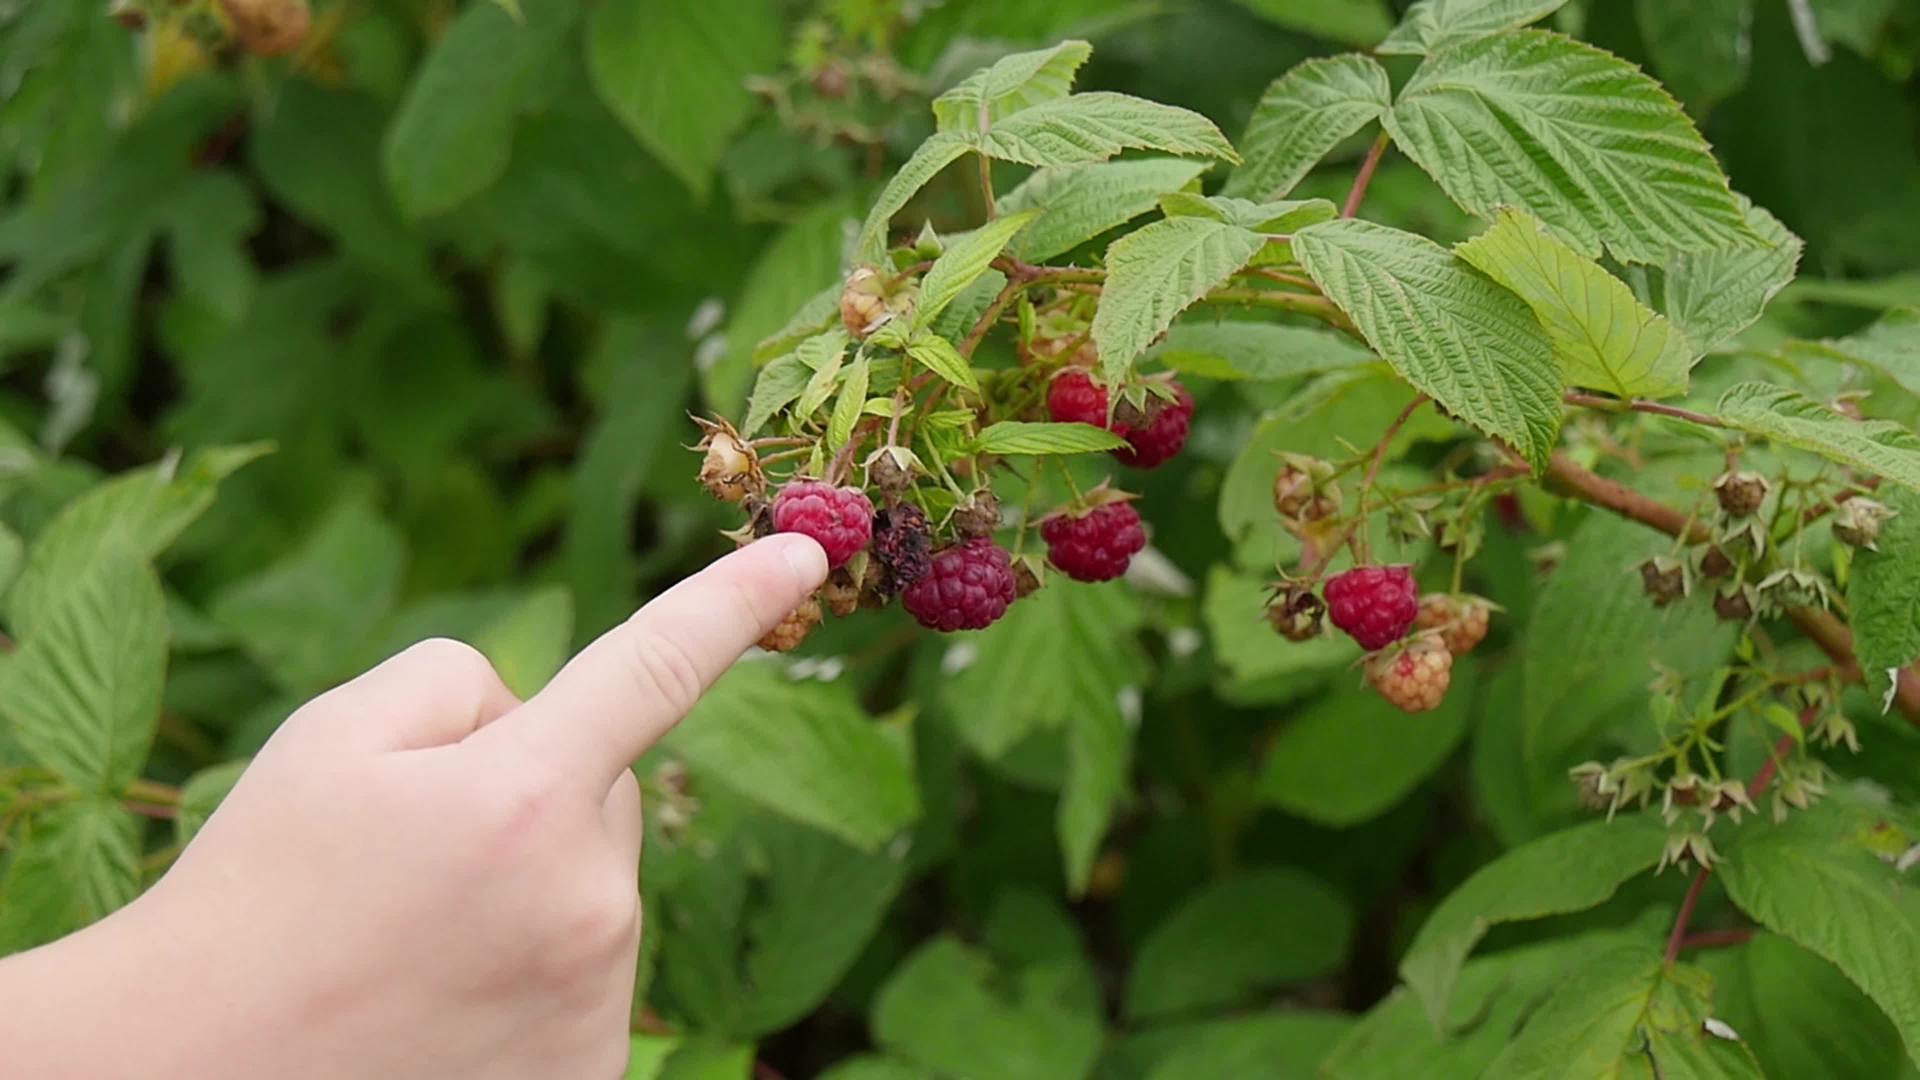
x: 1222, y: 945
x: 82, y: 694
x: 13, y: 552
x: 1099, y: 753
x: 1155, y: 273
x: 847, y: 408
x: 78, y: 863
x: 963, y: 262
x: 1713, y: 295
x: 1080, y: 202
x: 1800, y: 1014
x: 1279, y: 216
x: 1883, y: 595
x: 1456, y: 336
x: 779, y: 385
x: 942, y: 1009
x: 1254, y: 350
x: 1432, y: 25
x: 1576, y: 136
x: 1567, y: 871
x: 1013, y: 83
x: 816, y: 316
x: 1789, y: 417
x: 939, y: 356
x: 1085, y: 128
x: 821, y: 384
x: 939, y: 151
x: 1024, y: 437
x: 1288, y: 1042
x: 1890, y: 346
x: 1303, y: 115
x: 1351, y: 22
x: 1605, y: 338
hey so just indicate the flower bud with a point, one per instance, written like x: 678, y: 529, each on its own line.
x: 1858, y: 522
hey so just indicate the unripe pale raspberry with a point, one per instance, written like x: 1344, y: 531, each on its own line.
x: 1414, y: 678
x: 1073, y: 398
x: 1096, y: 546
x: 840, y: 593
x: 1375, y: 604
x: 839, y: 519
x: 968, y: 588
x: 793, y: 629
x: 1164, y: 435
x: 268, y: 27
x: 1461, y: 620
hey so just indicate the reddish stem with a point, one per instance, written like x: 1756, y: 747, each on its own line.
x: 1716, y: 939
x: 1595, y: 401
x: 1364, y: 176
x: 1686, y: 913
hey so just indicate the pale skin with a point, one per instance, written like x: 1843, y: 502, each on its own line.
x: 418, y: 876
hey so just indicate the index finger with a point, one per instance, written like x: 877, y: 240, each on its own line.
x: 623, y: 692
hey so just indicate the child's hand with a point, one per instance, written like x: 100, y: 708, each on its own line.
x: 418, y: 876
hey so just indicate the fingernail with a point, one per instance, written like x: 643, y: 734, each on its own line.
x: 808, y: 561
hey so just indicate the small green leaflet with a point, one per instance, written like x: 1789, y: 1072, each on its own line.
x: 1567, y: 871
x: 1303, y: 115
x: 1013, y: 83
x: 1093, y: 127
x: 1713, y: 295
x: 948, y: 1008
x: 72, y: 866
x: 1464, y: 341
x: 1890, y: 346
x: 1155, y: 273
x: 779, y: 385
x: 846, y: 409
x: 939, y: 356
x: 1578, y: 137
x: 1023, y: 437
x: 820, y: 312
x: 825, y: 358
x: 1432, y: 25
x: 961, y: 264
x: 1883, y: 595
x: 1606, y: 339
x: 938, y: 152
x: 1278, y: 216
x: 1079, y: 203
x: 1880, y: 447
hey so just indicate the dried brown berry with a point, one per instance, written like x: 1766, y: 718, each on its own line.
x: 1715, y: 563
x: 1734, y: 604
x: 1664, y: 579
x: 1741, y: 493
x: 1296, y: 613
x: 1858, y: 522
x: 979, y: 516
x: 841, y: 593
x: 730, y: 470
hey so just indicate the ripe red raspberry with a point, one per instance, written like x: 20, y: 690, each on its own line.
x: 969, y: 587
x: 1375, y: 604
x: 1097, y: 545
x: 840, y: 519
x: 1415, y: 678
x: 1074, y: 399
x: 1165, y: 433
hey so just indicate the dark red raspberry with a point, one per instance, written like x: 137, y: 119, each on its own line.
x: 969, y: 587
x: 1375, y: 604
x: 903, y: 544
x: 1156, y: 444
x: 1074, y: 399
x: 841, y: 519
x: 1096, y: 546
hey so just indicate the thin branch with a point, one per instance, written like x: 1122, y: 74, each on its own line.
x: 991, y: 316
x: 1716, y: 939
x: 1317, y: 306
x: 1607, y: 404
x: 1364, y: 176
x: 1686, y: 914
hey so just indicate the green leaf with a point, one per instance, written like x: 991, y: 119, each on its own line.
x: 1626, y: 1013
x: 1605, y: 338
x: 1883, y: 596
x: 1099, y: 751
x: 82, y: 694
x: 1085, y: 128
x: 1223, y: 944
x: 1891, y: 346
x: 805, y: 750
x: 1699, y: 49
x: 1279, y: 216
x: 1303, y: 115
x: 1312, y: 771
x: 141, y: 512
x: 699, y: 1058
x: 1432, y: 25
x: 12, y: 553
x: 1789, y: 417
x: 1155, y: 273
x: 1013, y: 83
x: 453, y: 133
x: 1578, y: 137
x: 847, y: 408
x: 528, y: 643
x: 938, y: 152
x: 1026, y: 437
x: 1275, y: 1043
x: 1713, y: 295
x: 201, y: 796
x: 778, y: 386
x: 674, y: 72
x: 961, y: 264
x: 1563, y: 872
x: 647, y: 1055
x: 1801, y: 1016
x: 1264, y: 352
x: 940, y: 1010
x: 826, y: 360
x: 938, y: 355
x: 1350, y: 22
x: 875, y: 1067
x: 303, y: 617
x: 796, y: 274
x: 1457, y: 337
x: 1812, y: 881
x: 77, y: 864
x: 1078, y: 203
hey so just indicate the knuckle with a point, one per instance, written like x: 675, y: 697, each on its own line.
x: 457, y: 658
x: 662, y: 668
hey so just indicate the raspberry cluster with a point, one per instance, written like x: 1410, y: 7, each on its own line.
x: 1074, y: 398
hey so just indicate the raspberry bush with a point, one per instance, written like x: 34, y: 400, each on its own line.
x: 1403, y: 563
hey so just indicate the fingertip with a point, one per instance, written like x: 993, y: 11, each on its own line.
x: 804, y: 556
